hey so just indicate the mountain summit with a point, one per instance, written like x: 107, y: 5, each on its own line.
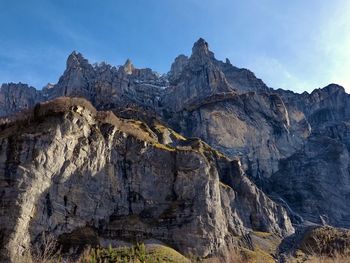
x: 201, y: 49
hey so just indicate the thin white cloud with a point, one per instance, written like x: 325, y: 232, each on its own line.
x: 308, y: 50
x: 334, y: 42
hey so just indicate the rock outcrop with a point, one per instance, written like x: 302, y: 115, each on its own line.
x: 67, y: 169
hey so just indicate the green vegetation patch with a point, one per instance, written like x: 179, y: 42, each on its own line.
x: 139, y: 253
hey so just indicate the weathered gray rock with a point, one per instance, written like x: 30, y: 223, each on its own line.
x: 242, y: 80
x: 16, y: 97
x: 199, y: 79
x: 315, y: 181
x: 254, y: 127
x: 74, y: 168
x: 78, y: 78
x: 233, y: 111
x: 177, y: 67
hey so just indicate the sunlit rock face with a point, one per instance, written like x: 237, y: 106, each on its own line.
x: 74, y: 171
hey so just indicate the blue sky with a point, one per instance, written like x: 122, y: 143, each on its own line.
x: 298, y: 45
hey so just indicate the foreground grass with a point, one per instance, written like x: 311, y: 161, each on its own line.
x: 136, y: 254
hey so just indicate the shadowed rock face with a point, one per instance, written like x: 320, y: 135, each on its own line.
x: 16, y: 97
x: 315, y: 179
x: 295, y: 147
x: 74, y: 170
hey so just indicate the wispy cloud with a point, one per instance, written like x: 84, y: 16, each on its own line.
x: 334, y: 43
x: 298, y: 50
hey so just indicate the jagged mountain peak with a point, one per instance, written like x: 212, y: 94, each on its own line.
x: 128, y: 66
x: 201, y: 48
x: 75, y: 60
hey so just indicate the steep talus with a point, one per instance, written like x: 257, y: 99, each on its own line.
x: 74, y: 169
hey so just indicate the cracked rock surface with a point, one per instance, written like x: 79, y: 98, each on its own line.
x: 74, y: 168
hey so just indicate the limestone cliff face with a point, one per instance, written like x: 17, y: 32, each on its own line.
x: 232, y: 110
x: 314, y: 181
x: 70, y: 170
x: 254, y: 127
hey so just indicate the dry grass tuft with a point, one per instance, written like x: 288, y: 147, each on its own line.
x: 324, y: 245
x: 326, y: 241
x: 61, y: 105
x: 335, y: 259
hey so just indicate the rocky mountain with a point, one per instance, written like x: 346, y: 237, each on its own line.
x: 249, y: 157
x: 68, y: 169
